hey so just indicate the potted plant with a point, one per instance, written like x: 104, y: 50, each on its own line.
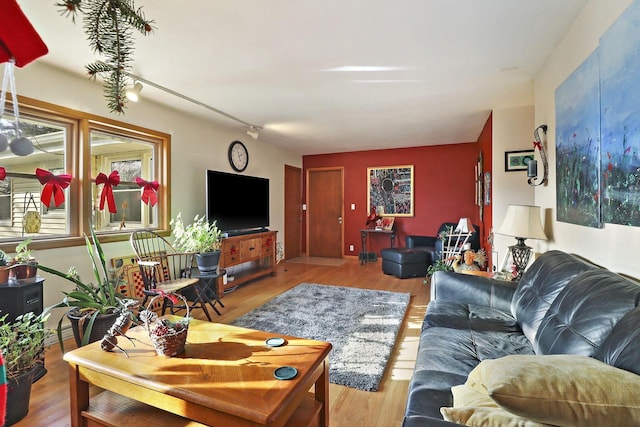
x: 93, y: 308
x: 200, y: 237
x: 22, y: 346
x: 24, y: 265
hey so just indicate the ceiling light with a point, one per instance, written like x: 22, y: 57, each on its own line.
x: 253, y: 132
x: 133, y: 94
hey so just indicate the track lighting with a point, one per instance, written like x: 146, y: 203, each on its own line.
x: 253, y: 132
x: 133, y: 94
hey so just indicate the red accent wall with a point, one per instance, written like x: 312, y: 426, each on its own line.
x: 444, y: 188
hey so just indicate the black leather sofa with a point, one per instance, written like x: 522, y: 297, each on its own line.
x: 562, y: 305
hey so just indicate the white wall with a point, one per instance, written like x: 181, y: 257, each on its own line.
x: 512, y: 131
x: 198, y: 143
x: 614, y: 246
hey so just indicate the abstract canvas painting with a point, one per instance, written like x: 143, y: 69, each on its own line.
x: 578, y: 146
x: 620, y: 86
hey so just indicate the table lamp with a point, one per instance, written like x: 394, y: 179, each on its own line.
x: 522, y: 222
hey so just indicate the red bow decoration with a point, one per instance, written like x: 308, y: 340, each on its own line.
x: 53, y: 184
x: 3, y: 173
x: 107, y: 191
x: 149, y: 191
x: 538, y: 145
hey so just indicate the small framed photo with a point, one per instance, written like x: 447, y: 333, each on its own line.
x: 387, y: 223
x: 517, y: 160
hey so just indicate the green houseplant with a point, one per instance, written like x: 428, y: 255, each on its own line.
x: 22, y: 346
x: 24, y: 265
x: 93, y: 308
x: 200, y: 237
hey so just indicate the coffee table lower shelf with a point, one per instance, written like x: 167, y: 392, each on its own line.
x: 109, y: 409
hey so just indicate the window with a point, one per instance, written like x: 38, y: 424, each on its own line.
x: 130, y: 157
x: 83, y: 146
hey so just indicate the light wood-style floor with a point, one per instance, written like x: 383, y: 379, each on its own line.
x: 348, y: 407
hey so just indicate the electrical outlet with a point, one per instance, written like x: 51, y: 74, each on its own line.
x: 351, y: 248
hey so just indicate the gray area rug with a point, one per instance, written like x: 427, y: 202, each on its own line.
x: 361, y: 324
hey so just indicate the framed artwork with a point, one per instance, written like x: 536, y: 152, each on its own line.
x: 578, y: 166
x: 387, y: 223
x: 517, y: 160
x: 390, y: 190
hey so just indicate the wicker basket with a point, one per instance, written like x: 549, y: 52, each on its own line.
x: 168, y: 338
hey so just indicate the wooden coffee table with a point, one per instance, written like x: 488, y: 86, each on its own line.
x: 225, y: 377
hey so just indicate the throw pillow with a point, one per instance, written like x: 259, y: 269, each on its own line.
x: 562, y: 390
x: 474, y: 408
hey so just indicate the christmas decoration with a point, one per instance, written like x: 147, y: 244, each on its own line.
x: 109, y: 26
x: 149, y: 189
x: 107, y: 191
x: 54, y: 185
x: 18, y: 39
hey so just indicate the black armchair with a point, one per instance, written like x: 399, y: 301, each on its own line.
x: 433, y: 244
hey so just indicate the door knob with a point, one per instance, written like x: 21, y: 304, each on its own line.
x: 339, y: 220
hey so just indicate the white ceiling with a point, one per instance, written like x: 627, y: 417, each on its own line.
x: 277, y: 63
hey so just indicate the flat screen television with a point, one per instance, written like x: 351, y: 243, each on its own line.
x: 238, y: 203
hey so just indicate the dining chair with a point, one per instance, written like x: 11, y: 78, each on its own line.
x: 164, y: 269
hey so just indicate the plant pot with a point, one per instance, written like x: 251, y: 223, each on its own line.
x: 4, y: 275
x: 208, y: 261
x: 18, y: 396
x: 100, y: 327
x: 24, y: 271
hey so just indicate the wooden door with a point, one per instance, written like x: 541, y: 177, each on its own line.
x: 292, y: 211
x: 324, y: 212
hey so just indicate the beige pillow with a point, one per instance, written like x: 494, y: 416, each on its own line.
x: 476, y: 409
x: 562, y: 390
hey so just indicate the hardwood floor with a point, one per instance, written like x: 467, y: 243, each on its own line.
x: 348, y: 407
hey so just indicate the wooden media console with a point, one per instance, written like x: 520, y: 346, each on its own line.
x: 257, y: 250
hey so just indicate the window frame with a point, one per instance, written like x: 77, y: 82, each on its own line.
x: 78, y: 164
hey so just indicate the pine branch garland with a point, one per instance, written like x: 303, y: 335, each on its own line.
x: 109, y: 26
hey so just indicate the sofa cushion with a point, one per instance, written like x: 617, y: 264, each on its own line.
x: 446, y: 357
x: 476, y: 408
x: 622, y: 346
x: 458, y: 315
x: 562, y: 390
x: 540, y: 285
x: 585, y: 312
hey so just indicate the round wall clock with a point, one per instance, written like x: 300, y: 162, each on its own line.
x: 238, y: 156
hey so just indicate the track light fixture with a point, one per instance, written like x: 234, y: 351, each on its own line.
x: 254, y: 129
x: 133, y: 94
x: 253, y: 132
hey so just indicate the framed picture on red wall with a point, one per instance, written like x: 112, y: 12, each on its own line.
x: 390, y: 190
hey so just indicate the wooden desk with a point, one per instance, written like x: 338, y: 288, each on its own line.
x: 223, y: 378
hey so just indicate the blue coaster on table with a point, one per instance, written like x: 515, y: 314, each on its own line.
x: 275, y: 342
x: 285, y: 372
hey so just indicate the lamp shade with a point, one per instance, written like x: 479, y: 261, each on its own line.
x: 523, y: 222
x: 464, y: 225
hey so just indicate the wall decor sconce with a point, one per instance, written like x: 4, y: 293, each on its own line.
x: 532, y: 165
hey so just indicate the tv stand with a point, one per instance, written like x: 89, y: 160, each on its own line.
x: 256, y: 249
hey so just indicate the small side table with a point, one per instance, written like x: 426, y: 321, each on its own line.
x: 208, y: 289
x: 364, y: 235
